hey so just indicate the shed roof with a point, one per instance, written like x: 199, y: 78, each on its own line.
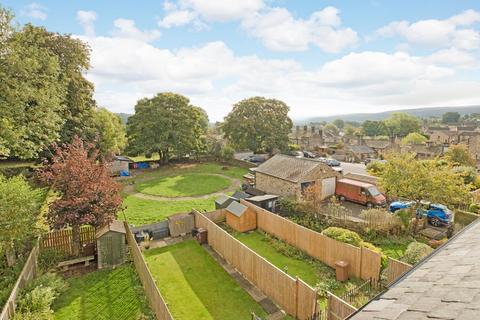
x: 223, y: 199
x: 115, y: 226
x: 254, y: 192
x: 355, y: 182
x: 122, y: 158
x: 263, y: 198
x: 446, y: 285
x: 236, y: 208
x: 240, y: 195
x: 290, y: 168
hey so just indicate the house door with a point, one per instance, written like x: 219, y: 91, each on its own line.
x: 328, y: 187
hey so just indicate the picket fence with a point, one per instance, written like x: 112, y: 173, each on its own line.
x: 362, y: 262
x: 338, y: 309
x: 292, y: 294
x: 395, y: 270
x: 157, y: 303
x: 61, y: 240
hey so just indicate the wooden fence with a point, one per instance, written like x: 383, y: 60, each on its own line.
x: 217, y: 215
x: 362, y: 263
x: 395, y: 270
x: 61, y: 240
x: 293, y: 295
x: 29, y: 271
x: 157, y: 303
x: 338, y: 309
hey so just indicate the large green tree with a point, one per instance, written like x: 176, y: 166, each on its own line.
x: 450, y: 117
x: 19, y: 213
x: 258, y: 124
x: 166, y: 124
x: 374, y: 128
x: 44, y: 97
x: 401, y: 124
x: 111, y: 132
x: 414, y: 138
x: 405, y: 177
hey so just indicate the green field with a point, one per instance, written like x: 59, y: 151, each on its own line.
x: 104, y: 294
x: 195, y: 286
x: 210, y: 167
x: 142, y: 211
x: 183, y: 185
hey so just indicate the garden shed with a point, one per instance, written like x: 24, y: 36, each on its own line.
x: 181, y: 224
x: 223, y: 201
x: 240, y: 217
x: 111, y: 245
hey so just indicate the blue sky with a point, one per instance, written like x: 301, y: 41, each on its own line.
x: 320, y: 57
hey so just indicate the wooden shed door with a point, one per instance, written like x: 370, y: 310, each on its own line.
x: 328, y: 187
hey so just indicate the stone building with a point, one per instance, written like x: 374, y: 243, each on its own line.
x: 290, y: 177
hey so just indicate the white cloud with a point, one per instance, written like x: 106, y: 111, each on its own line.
x: 279, y: 30
x: 177, y: 18
x: 438, y: 33
x: 86, y: 20
x: 35, y: 11
x: 125, y: 28
x: 224, y: 10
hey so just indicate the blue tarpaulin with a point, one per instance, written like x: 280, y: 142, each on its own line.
x: 124, y: 173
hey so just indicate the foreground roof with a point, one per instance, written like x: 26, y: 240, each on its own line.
x: 289, y: 168
x: 236, y: 208
x: 446, y: 285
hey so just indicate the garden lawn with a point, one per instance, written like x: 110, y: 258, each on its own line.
x: 195, y: 286
x: 393, y: 246
x: 142, y: 211
x: 309, y: 270
x: 183, y: 185
x: 209, y: 167
x: 104, y: 294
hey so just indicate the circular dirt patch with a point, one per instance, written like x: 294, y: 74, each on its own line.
x: 185, y: 185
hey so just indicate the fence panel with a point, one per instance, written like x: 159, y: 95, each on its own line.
x: 29, y: 271
x: 338, y: 309
x: 395, y: 270
x: 273, y: 282
x: 217, y: 215
x: 363, y: 263
x: 157, y: 303
x: 61, y: 240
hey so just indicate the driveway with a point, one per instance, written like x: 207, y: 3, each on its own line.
x: 358, y: 168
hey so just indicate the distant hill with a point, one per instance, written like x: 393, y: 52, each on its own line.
x: 124, y: 117
x: 419, y: 112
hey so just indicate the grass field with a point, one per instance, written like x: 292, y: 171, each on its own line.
x: 183, y: 185
x: 105, y: 294
x: 294, y: 262
x: 210, y: 167
x: 195, y: 286
x: 143, y: 211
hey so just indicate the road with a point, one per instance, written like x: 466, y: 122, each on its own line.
x: 358, y: 168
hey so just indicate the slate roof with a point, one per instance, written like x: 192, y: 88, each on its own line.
x: 122, y: 158
x: 263, y: 198
x: 363, y: 149
x: 222, y: 199
x: 236, y: 208
x: 289, y: 168
x: 240, y: 195
x: 446, y: 285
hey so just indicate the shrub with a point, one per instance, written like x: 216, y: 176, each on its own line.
x: 415, y: 252
x: 343, y: 235
x: 38, y: 300
x: 474, y: 208
x: 382, y: 221
x: 51, y: 280
x: 287, y: 207
x: 49, y: 258
x: 405, y: 217
x: 327, y: 285
x: 226, y: 153
x: 376, y: 168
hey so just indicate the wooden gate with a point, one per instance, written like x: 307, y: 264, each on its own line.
x: 395, y: 270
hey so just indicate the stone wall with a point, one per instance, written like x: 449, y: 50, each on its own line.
x: 276, y: 186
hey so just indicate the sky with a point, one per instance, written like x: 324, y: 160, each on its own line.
x: 322, y: 57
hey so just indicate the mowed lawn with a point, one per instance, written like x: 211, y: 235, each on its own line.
x: 142, y: 211
x: 195, y: 286
x: 104, y: 294
x: 209, y: 167
x: 184, y: 185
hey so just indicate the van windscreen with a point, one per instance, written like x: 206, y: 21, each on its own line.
x: 373, y: 191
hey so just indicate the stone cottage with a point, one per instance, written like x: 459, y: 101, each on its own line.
x: 290, y: 177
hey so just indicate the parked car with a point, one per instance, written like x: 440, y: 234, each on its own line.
x: 333, y: 163
x: 322, y: 159
x: 254, y: 159
x: 359, y: 192
x: 296, y: 154
x: 308, y: 154
x: 437, y: 215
